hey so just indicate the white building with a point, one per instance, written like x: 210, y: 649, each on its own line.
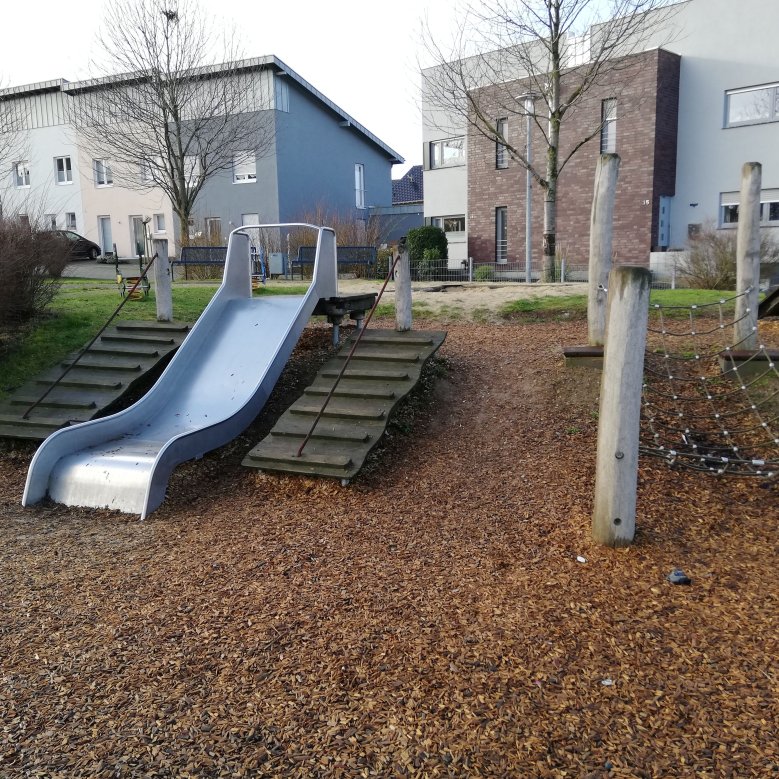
x: 728, y: 114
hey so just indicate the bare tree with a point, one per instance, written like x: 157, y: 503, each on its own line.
x: 509, y: 55
x: 169, y: 120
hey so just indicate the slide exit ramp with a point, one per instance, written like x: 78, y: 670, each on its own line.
x: 213, y: 388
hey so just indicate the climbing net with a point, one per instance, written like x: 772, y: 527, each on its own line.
x: 706, y: 406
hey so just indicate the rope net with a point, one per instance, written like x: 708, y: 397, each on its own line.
x: 705, y: 406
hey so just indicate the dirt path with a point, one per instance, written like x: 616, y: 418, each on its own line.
x: 430, y: 620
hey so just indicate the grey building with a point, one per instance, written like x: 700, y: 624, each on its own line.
x: 321, y: 162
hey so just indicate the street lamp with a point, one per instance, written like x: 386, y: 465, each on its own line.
x: 529, y: 100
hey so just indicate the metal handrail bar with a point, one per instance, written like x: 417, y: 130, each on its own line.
x: 349, y: 356
x: 91, y: 343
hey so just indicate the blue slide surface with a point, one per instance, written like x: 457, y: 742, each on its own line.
x: 213, y: 388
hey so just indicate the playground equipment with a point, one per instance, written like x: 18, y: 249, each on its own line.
x: 211, y: 390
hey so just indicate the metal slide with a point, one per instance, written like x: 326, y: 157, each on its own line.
x: 213, y: 388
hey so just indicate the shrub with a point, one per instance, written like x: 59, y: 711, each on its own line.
x: 429, y: 267
x: 711, y: 260
x: 484, y: 273
x: 384, y: 259
x: 428, y: 237
x: 31, y: 263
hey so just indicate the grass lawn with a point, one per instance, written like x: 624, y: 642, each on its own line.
x: 78, y: 312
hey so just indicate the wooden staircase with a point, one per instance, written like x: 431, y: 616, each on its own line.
x: 112, y: 367
x: 384, y: 368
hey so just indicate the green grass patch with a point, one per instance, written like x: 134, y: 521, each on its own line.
x: 78, y: 312
x: 545, y: 307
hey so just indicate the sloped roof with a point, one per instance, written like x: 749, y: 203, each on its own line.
x: 409, y: 188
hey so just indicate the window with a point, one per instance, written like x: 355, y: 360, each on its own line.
x: 70, y: 220
x: 50, y: 220
x: 448, y: 153
x: 450, y: 224
x: 501, y: 152
x: 608, y: 129
x: 281, y: 90
x: 214, y: 228
x: 244, y: 167
x: 159, y: 223
x: 103, y: 175
x: 22, y: 174
x: 24, y: 219
x: 359, y: 185
x: 769, y: 208
x: 63, y: 169
x: 191, y: 169
x: 501, y: 235
x: 752, y: 106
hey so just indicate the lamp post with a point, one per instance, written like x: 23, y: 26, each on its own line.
x: 529, y: 100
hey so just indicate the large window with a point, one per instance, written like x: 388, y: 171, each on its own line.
x: 359, y: 185
x: 70, y: 220
x: 63, y: 170
x: 214, y: 229
x: 50, y: 220
x: 22, y: 174
x: 501, y: 152
x: 103, y: 175
x: 448, y: 153
x: 769, y: 208
x: 501, y: 234
x: 191, y: 169
x: 244, y: 167
x: 752, y: 106
x: 608, y: 129
x: 450, y: 224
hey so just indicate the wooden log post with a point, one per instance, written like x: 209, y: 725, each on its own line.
x: 748, y: 258
x: 403, y: 290
x: 616, y: 469
x: 163, y: 287
x: 601, y: 221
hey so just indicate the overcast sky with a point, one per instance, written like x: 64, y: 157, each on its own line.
x: 362, y: 55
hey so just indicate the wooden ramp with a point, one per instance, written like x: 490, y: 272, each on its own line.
x: 384, y: 368
x: 112, y: 367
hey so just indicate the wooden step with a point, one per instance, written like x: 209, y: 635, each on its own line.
x: 68, y: 381
x: 366, y: 374
x: 51, y: 402
x: 329, y: 460
x: 347, y: 392
x: 124, y: 349
x: 172, y: 327
x: 104, y: 366
x: 395, y: 340
x: 343, y: 413
x: 352, y: 437
x: 16, y: 419
x: 379, y: 356
x: 138, y: 339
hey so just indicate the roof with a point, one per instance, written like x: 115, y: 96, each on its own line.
x: 255, y: 63
x: 409, y: 188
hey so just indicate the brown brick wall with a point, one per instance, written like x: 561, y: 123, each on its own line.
x: 646, y: 88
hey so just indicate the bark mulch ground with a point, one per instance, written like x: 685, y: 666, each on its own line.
x: 446, y: 615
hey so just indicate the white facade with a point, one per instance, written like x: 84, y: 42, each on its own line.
x: 724, y: 46
x: 50, y: 180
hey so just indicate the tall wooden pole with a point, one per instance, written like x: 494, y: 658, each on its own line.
x: 748, y: 257
x: 403, y: 290
x: 616, y: 468
x: 601, y: 229
x: 163, y: 292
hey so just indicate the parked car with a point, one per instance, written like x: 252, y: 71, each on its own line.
x: 78, y: 247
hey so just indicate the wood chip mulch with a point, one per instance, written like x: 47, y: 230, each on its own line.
x: 446, y: 615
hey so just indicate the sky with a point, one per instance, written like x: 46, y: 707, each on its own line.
x: 362, y: 55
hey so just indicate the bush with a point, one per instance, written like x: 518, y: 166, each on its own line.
x: 711, y: 261
x: 429, y: 267
x: 31, y: 263
x: 384, y: 259
x: 421, y: 238
x: 484, y: 273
